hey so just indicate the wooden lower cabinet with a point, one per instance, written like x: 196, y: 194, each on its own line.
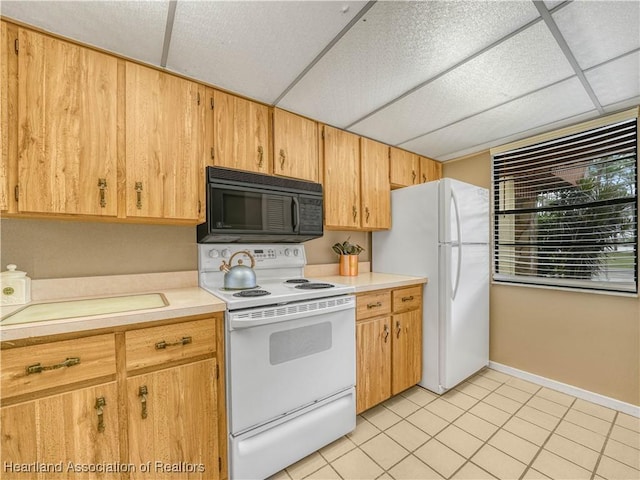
x: 388, y: 344
x: 173, y: 422
x: 159, y: 419
x: 67, y: 434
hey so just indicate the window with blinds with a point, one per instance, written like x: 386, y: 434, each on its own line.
x: 566, y: 211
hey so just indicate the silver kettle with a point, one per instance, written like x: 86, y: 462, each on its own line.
x: 239, y: 276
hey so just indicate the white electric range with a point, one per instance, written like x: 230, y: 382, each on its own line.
x: 290, y: 358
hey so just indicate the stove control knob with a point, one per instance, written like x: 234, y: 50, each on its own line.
x: 296, y: 252
x: 287, y: 252
x: 226, y: 253
x: 213, y: 253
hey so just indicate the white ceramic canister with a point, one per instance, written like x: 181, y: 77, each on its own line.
x: 15, y: 287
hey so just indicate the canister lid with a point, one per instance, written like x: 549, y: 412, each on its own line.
x: 11, y: 272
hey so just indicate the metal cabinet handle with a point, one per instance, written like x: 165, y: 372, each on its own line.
x: 38, y: 367
x: 399, y: 329
x: 138, y: 189
x: 283, y: 157
x: 374, y: 305
x: 161, y: 345
x: 354, y: 211
x: 142, y: 394
x: 424, y: 178
x: 260, y: 156
x: 366, y: 214
x: 413, y: 176
x: 386, y: 333
x: 407, y: 299
x: 102, y: 185
x: 99, y: 406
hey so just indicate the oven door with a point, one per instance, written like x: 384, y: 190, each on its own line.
x: 304, y: 354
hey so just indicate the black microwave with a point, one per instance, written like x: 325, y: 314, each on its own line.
x: 245, y: 207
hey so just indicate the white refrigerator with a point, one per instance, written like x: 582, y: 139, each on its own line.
x: 441, y: 230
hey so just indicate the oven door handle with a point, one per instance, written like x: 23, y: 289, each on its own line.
x: 283, y: 313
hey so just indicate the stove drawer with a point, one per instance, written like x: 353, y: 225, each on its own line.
x: 373, y: 304
x: 153, y: 346
x: 40, y: 367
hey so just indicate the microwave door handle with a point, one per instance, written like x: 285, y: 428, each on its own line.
x: 296, y: 214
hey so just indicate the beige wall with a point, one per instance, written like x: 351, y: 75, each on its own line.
x: 61, y: 249
x: 588, y: 340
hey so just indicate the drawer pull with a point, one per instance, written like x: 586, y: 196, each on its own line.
x: 183, y: 341
x: 99, y: 406
x: 407, y: 299
x: 374, y: 305
x: 142, y: 393
x: 38, y: 367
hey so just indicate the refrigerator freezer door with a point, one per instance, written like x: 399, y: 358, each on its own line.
x: 464, y: 313
x: 464, y: 212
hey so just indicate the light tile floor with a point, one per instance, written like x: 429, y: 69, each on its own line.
x: 492, y: 426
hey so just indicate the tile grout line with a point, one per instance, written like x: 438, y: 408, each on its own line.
x: 604, y: 445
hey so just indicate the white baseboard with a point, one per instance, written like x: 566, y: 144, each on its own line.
x: 569, y: 389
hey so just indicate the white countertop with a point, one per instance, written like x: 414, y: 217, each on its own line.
x: 182, y: 302
x: 366, y: 282
x: 187, y: 300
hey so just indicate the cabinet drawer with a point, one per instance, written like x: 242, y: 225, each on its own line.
x: 373, y: 304
x: 157, y: 345
x: 38, y: 367
x: 405, y: 299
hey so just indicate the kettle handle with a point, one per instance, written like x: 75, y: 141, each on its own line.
x: 246, y: 252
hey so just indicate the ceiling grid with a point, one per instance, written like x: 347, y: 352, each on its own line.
x: 441, y: 78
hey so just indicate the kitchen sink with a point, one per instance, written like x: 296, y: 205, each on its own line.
x: 41, y: 312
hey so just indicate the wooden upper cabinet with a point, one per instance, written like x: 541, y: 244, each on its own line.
x: 67, y: 99
x: 341, y: 179
x: 242, y: 135
x: 375, y: 190
x: 430, y: 170
x: 404, y: 168
x: 295, y: 146
x: 164, y: 144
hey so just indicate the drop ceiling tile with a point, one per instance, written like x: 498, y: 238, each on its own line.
x: 129, y: 28
x: 395, y: 47
x: 253, y: 48
x: 617, y: 80
x: 556, y: 103
x: 600, y: 30
x: 523, y: 63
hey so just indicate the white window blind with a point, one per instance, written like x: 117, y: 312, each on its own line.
x: 566, y: 211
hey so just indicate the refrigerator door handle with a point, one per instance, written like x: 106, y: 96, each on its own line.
x: 455, y: 206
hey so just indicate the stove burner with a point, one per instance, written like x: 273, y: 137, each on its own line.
x: 297, y: 280
x: 313, y: 286
x: 252, y: 293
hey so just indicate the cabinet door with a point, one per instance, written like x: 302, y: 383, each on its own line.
x: 407, y: 350
x: 241, y: 133
x: 430, y: 170
x: 295, y: 146
x: 69, y: 427
x: 164, y: 144
x: 374, y: 185
x: 67, y: 127
x: 404, y: 168
x: 373, y: 362
x: 341, y: 179
x: 175, y: 421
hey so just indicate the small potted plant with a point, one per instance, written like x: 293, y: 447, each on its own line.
x: 348, y: 253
